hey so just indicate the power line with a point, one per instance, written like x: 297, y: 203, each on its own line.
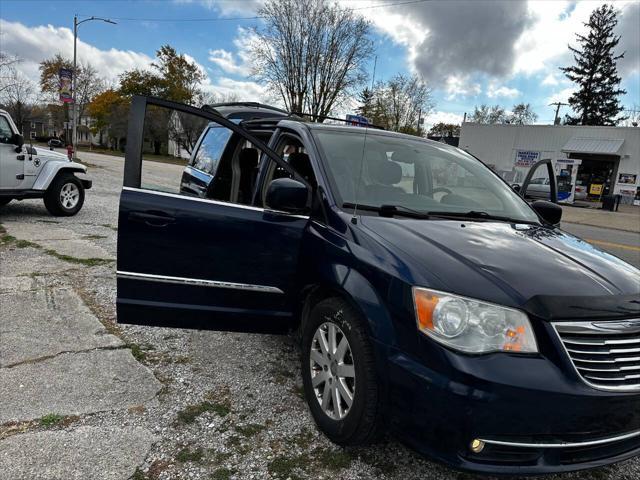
x: 256, y: 17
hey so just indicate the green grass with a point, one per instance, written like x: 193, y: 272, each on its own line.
x: 51, y: 420
x: 332, y: 459
x: 188, y: 455
x: 191, y: 412
x: 221, y: 474
x: 286, y: 467
x: 249, y: 430
x: 137, y: 352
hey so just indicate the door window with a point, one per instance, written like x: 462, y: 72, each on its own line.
x: 211, y: 149
x: 5, y: 130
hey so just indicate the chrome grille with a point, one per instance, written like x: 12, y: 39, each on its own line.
x: 606, y: 354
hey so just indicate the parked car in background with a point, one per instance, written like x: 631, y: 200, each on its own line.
x: 55, y: 143
x: 34, y: 172
x: 430, y: 299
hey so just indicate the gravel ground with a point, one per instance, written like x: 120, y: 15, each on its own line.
x: 231, y: 404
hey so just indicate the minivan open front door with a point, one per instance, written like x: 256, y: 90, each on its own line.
x: 540, y: 182
x: 193, y: 262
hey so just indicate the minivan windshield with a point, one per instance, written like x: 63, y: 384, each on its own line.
x: 389, y: 170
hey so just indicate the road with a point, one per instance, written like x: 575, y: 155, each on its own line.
x: 193, y: 404
x: 625, y: 245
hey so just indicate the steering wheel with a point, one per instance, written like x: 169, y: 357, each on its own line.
x: 441, y: 189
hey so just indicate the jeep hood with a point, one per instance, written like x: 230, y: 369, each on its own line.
x: 503, y: 263
x: 46, y: 154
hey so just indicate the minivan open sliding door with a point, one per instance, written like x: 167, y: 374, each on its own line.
x: 191, y: 262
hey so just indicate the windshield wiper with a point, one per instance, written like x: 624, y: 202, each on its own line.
x: 389, y: 210
x: 473, y: 214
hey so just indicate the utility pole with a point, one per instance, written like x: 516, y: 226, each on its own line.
x: 373, y: 77
x: 74, y: 77
x: 556, y: 120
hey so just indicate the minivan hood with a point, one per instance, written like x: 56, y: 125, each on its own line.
x: 500, y: 262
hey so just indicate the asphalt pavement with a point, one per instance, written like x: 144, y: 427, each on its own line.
x: 622, y: 244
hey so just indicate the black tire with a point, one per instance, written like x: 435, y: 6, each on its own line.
x: 362, y: 422
x: 53, y: 200
x: 4, y: 201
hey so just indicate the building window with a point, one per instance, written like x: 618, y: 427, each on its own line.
x: 32, y: 135
x: 33, y: 125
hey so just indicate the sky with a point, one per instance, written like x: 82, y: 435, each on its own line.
x: 469, y: 52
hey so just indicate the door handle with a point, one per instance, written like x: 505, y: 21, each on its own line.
x: 20, y: 158
x: 153, y: 219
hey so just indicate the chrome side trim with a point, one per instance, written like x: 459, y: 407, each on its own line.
x: 215, y: 202
x: 589, y: 443
x: 197, y: 282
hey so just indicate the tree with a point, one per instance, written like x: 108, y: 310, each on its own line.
x: 397, y: 104
x: 310, y: 52
x: 173, y: 77
x: 109, y: 112
x: 18, y: 96
x: 595, y: 72
x: 522, y: 114
x: 489, y: 115
x: 7, y: 70
x: 88, y: 82
x: 442, y: 129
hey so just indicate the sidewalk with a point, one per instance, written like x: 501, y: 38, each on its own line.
x: 627, y: 218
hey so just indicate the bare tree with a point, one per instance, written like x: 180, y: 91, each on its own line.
x: 18, y: 96
x: 522, y: 114
x: 311, y: 53
x: 486, y: 114
x: 8, y: 63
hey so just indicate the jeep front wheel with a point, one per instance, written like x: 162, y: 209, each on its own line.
x: 65, y: 196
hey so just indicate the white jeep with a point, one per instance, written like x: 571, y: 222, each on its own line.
x: 37, y: 172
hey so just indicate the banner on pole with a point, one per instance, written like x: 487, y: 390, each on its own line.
x: 65, y: 76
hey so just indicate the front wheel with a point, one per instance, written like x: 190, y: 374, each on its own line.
x: 65, y: 196
x: 339, y: 374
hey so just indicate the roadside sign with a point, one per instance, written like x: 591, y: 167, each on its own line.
x: 357, y: 120
x: 526, y: 158
x: 595, y: 189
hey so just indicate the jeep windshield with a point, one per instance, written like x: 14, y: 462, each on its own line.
x: 388, y: 171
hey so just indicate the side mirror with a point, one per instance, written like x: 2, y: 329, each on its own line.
x: 549, y: 211
x: 287, y: 195
x: 18, y: 141
x: 516, y: 187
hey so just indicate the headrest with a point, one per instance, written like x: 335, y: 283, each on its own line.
x: 248, y: 158
x: 386, y: 172
x: 301, y: 164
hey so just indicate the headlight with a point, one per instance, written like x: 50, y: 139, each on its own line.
x: 470, y: 325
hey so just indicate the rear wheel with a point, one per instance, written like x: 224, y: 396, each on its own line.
x: 4, y: 201
x: 65, y: 196
x: 339, y: 374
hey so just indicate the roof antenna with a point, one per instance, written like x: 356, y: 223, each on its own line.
x: 354, y: 219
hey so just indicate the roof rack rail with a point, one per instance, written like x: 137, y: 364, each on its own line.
x: 214, y: 106
x: 350, y: 122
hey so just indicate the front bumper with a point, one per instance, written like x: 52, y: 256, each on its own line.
x: 533, y: 416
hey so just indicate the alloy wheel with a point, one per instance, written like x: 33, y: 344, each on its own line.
x: 69, y: 195
x: 332, y: 370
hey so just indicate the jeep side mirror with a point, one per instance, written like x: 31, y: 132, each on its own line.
x: 287, y: 195
x: 18, y: 141
x: 549, y: 211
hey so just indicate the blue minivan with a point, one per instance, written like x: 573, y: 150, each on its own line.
x: 431, y: 300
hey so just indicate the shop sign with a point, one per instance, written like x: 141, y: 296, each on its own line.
x: 627, y: 178
x: 595, y: 189
x: 526, y: 158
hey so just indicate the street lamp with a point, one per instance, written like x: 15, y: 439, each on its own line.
x: 76, y: 24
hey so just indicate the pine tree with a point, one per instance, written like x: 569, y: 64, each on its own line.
x: 596, y: 100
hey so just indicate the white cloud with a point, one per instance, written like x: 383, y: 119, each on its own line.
x: 550, y: 79
x: 493, y: 91
x: 34, y: 44
x: 561, y: 96
x: 240, y: 62
x: 461, y: 87
x: 227, y: 7
x: 441, y: 116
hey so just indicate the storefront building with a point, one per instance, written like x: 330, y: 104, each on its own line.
x: 590, y: 162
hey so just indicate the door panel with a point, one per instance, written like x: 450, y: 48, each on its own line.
x: 192, y: 262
